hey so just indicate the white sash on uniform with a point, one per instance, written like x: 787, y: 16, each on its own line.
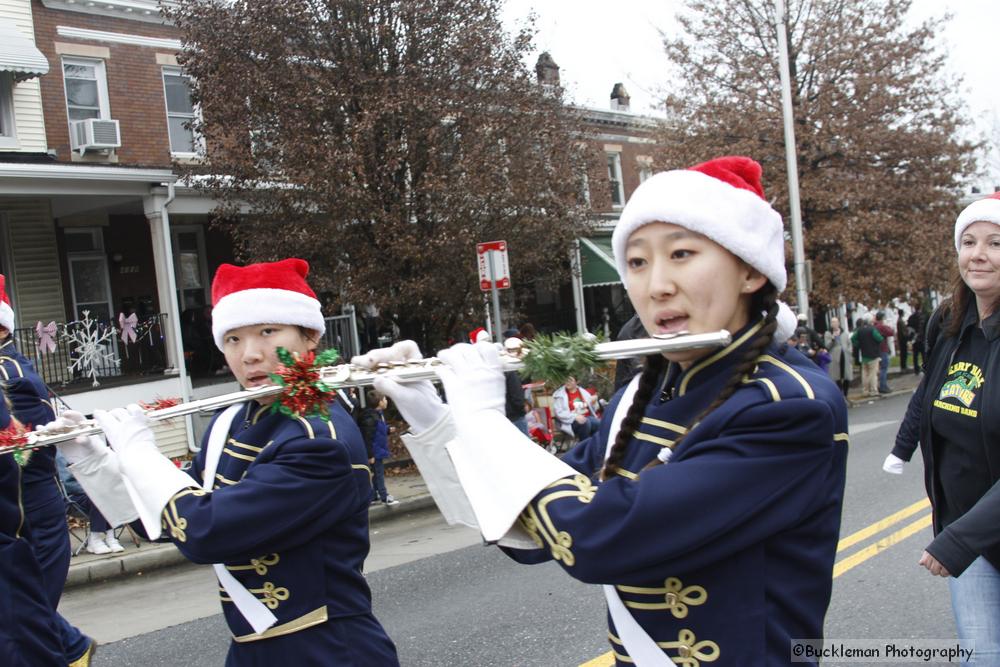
x: 640, y: 646
x: 257, y: 615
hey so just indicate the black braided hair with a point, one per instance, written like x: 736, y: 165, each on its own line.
x: 652, y: 368
x: 765, y: 300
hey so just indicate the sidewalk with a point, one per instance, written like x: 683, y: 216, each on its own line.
x: 899, y: 383
x: 409, y: 490
x: 87, y: 568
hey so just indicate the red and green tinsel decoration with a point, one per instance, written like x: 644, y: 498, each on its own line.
x: 303, y: 393
x: 15, y: 435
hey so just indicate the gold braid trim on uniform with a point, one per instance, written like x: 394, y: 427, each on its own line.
x: 315, y: 617
x: 530, y: 525
x: 690, y: 653
x: 270, y: 594
x: 676, y: 596
x: 258, y: 565
x: 175, y: 522
x: 560, y: 541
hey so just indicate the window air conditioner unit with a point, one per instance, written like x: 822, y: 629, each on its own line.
x: 94, y: 134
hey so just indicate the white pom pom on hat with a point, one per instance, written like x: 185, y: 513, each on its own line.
x: 264, y: 293
x: 722, y: 199
x: 986, y: 209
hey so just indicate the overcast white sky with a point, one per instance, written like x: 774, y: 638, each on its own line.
x: 597, y: 43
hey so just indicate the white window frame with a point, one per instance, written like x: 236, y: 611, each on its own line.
x: 199, y: 142
x: 100, y: 71
x: 615, y: 178
x: 8, y: 124
x: 96, y: 253
x: 199, y: 232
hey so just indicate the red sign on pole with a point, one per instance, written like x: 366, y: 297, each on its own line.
x: 500, y: 277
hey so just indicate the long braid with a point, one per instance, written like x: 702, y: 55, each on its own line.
x: 765, y: 300
x: 653, y: 366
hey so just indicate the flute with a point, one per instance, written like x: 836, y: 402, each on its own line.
x: 343, y: 376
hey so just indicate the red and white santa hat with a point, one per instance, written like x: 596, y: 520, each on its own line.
x: 6, y: 312
x: 264, y: 293
x: 722, y: 199
x: 986, y: 209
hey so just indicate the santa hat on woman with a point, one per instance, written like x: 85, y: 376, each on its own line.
x: 722, y: 199
x: 265, y: 293
x: 986, y: 209
x: 6, y: 312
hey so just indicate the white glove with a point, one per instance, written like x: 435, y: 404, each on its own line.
x: 893, y: 464
x: 77, y: 449
x: 473, y: 378
x: 499, y: 467
x: 431, y: 457
x: 151, y: 479
x: 126, y: 429
x: 95, y: 467
x: 418, y: 402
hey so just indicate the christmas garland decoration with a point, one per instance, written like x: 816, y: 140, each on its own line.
x: 303, y: 393
x: 553, y: 358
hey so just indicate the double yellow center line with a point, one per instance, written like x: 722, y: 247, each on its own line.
x: 855, y: 559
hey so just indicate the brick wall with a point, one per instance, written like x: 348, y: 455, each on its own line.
x: 135, y: 84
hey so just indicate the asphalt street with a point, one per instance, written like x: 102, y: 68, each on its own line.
x: 445, y: 599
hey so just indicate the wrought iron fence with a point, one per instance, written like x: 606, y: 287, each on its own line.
x: 342, y: 334
x: 88, y: 352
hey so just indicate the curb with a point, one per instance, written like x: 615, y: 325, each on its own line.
x: 159, y: 555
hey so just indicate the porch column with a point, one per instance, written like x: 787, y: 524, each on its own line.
x: 155, y: 208
x: 576, y: 273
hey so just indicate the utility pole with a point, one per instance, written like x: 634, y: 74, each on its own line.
x: 798, y: 245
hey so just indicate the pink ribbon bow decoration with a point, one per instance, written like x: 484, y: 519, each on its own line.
x: 46, y: 336
x: 127, y: 325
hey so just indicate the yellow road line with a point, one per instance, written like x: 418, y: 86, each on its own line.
x: 606, y: 660
x: 881, y: 525
x: 845, y: 564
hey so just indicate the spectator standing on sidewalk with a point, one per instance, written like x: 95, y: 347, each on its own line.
x: 515, y: 384
x: 954, y: 415
x: 375, y: 431
x: 866, y: 339
x: 903, y: 338
x: 883, y: 352
x: 838, y: 343
x: 918, y: 323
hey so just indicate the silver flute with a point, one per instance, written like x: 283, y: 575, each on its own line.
x: 343, y: 376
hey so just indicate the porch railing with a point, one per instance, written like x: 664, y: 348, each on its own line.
x: 87, y: 353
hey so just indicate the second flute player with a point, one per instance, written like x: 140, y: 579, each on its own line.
x: 278, y: 505
x: 709, y: 502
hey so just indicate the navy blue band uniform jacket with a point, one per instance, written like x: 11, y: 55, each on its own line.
x: 726, y: 552
x: 29, y: 636
x: 288, y: 517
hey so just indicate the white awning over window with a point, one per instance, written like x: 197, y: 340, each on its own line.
x: 19, y: 55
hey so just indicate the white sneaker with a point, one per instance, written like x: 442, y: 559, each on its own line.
x: 96, y: 544
x: 113, y: 543
x: 389, y: 500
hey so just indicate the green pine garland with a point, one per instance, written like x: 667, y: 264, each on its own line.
x: 553, y: 358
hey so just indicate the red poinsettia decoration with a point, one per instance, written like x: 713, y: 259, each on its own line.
x: 304, y: 393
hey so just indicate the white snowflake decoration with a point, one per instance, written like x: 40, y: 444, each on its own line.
x: 91, y: 347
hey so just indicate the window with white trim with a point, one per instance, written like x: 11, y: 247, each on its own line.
x: 615, y: 178
x: 180, y: 112
x: 8, y: 131
x: 86, y: 87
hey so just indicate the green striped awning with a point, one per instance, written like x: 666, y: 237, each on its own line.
x: 597, y: 262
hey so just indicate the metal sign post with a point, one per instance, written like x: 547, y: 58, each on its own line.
x: 494, y: 274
